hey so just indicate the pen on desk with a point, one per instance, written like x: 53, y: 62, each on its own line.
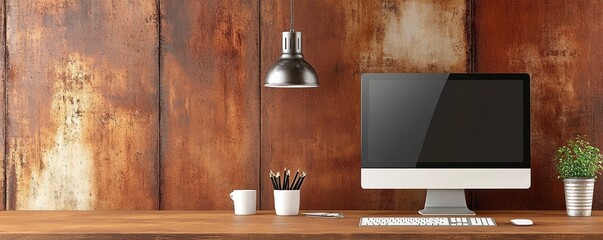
x: 325, y: 215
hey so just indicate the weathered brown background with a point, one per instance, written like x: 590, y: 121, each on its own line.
x: 158, y: 104
x: 82, y: 105
x: 318, y: 129
x: 209, y: 102
x: 3, y: 110
x: 559, y: 44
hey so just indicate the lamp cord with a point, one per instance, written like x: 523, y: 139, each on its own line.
x: 292, y: 17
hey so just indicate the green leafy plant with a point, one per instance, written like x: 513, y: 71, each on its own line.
x: 578, y: 159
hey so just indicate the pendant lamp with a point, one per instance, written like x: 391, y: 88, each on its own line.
x: 291, y: 71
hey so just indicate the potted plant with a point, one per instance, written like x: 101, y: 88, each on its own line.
x: 578, y: 164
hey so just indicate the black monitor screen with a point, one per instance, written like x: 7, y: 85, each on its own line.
x: 445, y: 120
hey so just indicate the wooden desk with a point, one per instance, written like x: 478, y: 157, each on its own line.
x: 264, y: 225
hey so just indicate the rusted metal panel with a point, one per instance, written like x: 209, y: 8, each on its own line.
x: 559, y: 44
x: 209, y: 102
x: 82, y: 104
x: 319, y: 129
x: 2, y: 109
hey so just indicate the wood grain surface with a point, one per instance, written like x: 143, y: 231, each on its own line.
x: 209, y: 102
x: 82, y: 104
x: 266, y: 225
x: 559, y: 44
x: 318, y: 129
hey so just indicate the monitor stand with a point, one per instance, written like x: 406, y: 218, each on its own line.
x: 446, y: 202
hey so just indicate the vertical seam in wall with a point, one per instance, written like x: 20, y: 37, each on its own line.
x: 260, y: 99
x: 472, y: 195
x: 5, y: 113
x: 159, y: 153
x: 472, y: 46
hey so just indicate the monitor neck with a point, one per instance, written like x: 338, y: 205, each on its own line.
x: 446, y: 202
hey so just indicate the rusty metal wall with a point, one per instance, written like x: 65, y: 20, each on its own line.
x: 319, y: 129
x: 82, y: 104
x: 209, y: 102
x: 559, y: 44
x: 106, y: 108
x: 2, y: 109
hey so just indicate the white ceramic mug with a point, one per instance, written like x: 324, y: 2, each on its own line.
x: 286, y: 202
x: 244, y: 201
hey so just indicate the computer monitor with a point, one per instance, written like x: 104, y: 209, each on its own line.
x: 445, y: 133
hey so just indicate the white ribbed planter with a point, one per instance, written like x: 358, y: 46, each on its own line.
x: 579, y: 196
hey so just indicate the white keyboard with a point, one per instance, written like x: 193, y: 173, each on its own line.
x: 427, y: 221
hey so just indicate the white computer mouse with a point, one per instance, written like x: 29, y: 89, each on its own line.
x: 522, y: 222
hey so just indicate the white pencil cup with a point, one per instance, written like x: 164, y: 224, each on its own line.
x: 286, y: 202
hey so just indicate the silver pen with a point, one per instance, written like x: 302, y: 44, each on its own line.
x: 325, y: 215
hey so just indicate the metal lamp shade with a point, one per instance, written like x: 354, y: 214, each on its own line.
x: 291, y: 71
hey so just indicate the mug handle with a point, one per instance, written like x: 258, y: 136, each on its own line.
x: 232, y: 196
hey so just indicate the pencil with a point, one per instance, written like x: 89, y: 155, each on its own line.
x: 284, y: 180
x: 272, y: 179
x: 296, y: 187
x: 301, y: 181
x: 287, y: 180
x: 295, y: 179
x: 278, y: 181
x: 283, y: 187
x: 295, y: 183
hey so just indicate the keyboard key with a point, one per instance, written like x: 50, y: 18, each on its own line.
x: 489, y: 220
x: 478, y: 222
